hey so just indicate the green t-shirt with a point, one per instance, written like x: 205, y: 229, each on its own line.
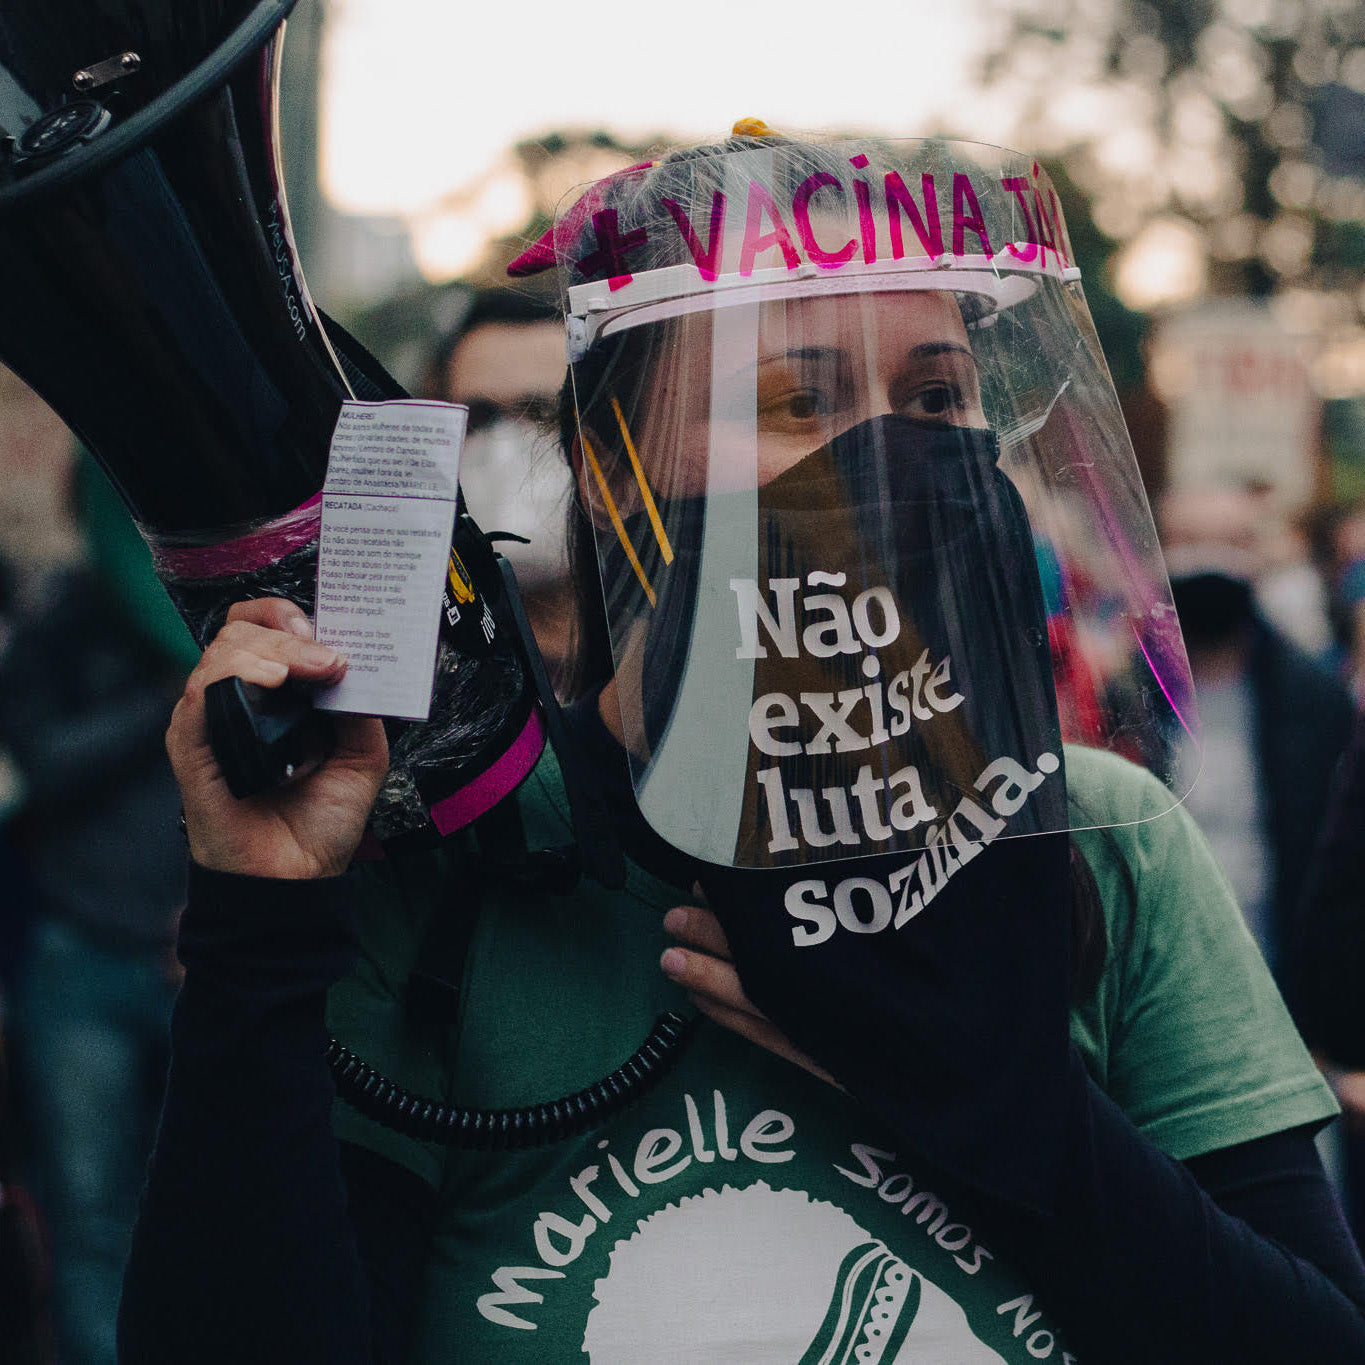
x: 743, y: 1211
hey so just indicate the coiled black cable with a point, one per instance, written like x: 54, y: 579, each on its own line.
x: 534, y: 1125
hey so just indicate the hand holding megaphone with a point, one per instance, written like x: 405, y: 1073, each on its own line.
x: 309, y: 827
x: 264, y: 737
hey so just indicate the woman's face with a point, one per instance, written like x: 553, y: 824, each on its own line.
x: 750, y: 392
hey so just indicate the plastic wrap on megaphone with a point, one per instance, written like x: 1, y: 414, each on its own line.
x: 154, y: 299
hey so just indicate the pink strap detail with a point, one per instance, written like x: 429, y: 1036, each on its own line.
x: 270, y: 541
x: 485, y: 791
x: 482, y: 794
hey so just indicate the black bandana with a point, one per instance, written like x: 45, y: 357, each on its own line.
x: 931, y: 982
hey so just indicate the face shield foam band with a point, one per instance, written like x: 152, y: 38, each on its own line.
x: 596, y: 310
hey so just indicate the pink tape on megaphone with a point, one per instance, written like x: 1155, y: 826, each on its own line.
x: 267, y: 543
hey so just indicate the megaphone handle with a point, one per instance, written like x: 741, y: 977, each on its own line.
x: 263, y: 736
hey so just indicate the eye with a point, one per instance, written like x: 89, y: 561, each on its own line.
x: 938, y: 400
x: 946, y: 389
x: 800, y: 392
x: 804, y: 405
x: 798, y: 410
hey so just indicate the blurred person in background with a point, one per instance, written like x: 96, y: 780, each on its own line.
x: 88, y: 679
x: 18, y: 895
x: 25, y: 1327
x: 1290, y: 589
x: 38, y: 533
x: 1342, y: 550
x: 1274, y: 721
x: 505, y: 361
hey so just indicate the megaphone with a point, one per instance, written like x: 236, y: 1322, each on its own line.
x: 151, y: 293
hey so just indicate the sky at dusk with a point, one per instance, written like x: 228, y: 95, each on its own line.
x: 398, y: 72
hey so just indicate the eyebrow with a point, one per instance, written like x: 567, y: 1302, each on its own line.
x: 926, y: 350
x: 929, y: 349
x: 799, y: 353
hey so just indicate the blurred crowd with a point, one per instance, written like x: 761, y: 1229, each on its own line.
x: 1270, y: 597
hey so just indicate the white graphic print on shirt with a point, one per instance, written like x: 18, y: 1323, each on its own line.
x: 766, y: 1277
x: 706, y: 1232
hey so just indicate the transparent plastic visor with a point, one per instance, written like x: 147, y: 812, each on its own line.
x: 872, y: 543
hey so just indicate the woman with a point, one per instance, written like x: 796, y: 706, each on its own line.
x: 1046, y: 1104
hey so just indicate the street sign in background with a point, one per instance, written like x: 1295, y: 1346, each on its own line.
x: 1241, y: 407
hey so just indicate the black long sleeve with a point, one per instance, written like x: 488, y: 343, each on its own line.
x: 243, y: 1249
x: 1330, y: 932
x: 246, y: 1248
x: 1145, y: 1264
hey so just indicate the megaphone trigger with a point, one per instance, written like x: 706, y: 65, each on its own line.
x: 264, y: 737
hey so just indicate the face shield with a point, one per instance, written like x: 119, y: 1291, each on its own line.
x: 870, y: 533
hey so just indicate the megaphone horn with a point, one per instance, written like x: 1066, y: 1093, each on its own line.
x: 152, y: 295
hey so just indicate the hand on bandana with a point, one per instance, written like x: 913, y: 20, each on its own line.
x: 704, y: 966
x: 967, y: 1003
